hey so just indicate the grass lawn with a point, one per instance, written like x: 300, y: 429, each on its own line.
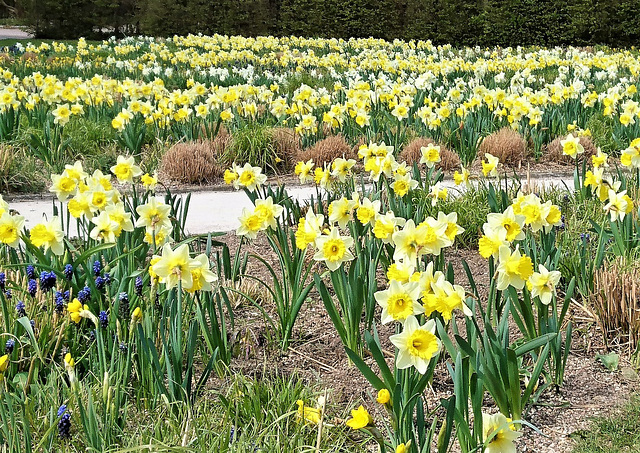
x: 617, y: 433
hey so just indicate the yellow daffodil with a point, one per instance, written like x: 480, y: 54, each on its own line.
x: 430, y: 155
x: 77, y: 311
x: 250, y: 224
x: 230, y: 176
x: 402, y: 184
x: 175, y: 266
x: 497, y: 434
x: 445, y: 298
x: 153, y: 215
x: 461, y: 177
x: 50, y: 235
x: 149, y: 181
x: 571, y: 146
x: 416, y: 344
x: 618, y: 205
x: 367, y: 211
x: 126, y: 169
x: 303, y: 171
x: 4, y: 363
x: 268, y: 212
x: 105, y: 228
x: 61, y: 114
x: 201, y: 274
x: 490, y: 166
x: 514, y: 269
x: 249, y: 178
x: 340, y: 168
x: 10, y: 226
x: 386, y: 225
x: 383, y: 396
x: 63, y: 186
x: 333, y: 249
x: 360, y: 418
x: 399, y: 301
x: 309, y: 229
x: 341, y: 211
x: 511, y: 222
x: 309, y: 414
x: 542, y: 284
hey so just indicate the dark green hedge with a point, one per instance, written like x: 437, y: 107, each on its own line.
x: 459, y: 22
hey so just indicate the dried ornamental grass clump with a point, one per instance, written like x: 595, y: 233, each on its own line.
x: 412, y: 153
x: 506, y: 144
x: 194, y: 162
x: 555, y: 150
x: 327, y: 150
x: 287, y: 145
x: 616, y: 300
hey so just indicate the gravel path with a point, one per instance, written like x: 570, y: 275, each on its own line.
x: 14, y: 33
x: 211, y: 211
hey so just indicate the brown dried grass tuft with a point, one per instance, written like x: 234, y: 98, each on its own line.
x: 328, y: 149
x: 616, y: 300
x: 29, y: 56
x: 506, y: 144
x: 554, y: 151
x: 195, y: 162
x: 411, y: 154
x: 287, y: 145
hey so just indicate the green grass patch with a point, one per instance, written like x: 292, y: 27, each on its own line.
x: 613, y: 434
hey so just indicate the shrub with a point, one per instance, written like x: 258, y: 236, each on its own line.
x: 252, y: 144
x: 195, y: 162
x: 506, y: 144
x: 328, y: 149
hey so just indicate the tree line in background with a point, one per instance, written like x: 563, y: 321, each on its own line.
x: 459, y: 22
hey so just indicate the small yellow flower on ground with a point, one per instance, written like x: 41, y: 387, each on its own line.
x: 308, y: 414
x: 383, y: 396
x: 360, y: 418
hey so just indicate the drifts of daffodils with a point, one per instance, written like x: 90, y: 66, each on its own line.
x: 355, y: 87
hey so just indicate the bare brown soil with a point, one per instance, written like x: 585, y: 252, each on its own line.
x: 317, y: 356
